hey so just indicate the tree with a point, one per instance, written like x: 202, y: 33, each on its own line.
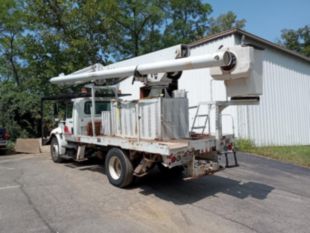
x: 145, y: 26
x: 65, y: 36
x: 225, y: 22
x: 38, y: 40
x: 19, y: 110
x: 186, y: 21
x: 297, y: 40
x: 10, y: 31
x: 137, y: 23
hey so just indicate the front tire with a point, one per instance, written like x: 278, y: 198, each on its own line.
x: 118, y: 168
x: 55, y: 151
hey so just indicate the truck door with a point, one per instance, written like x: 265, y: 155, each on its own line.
x: 69, y: 127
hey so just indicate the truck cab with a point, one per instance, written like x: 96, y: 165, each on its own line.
x: 78, y: 115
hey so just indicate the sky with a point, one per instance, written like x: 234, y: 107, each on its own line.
x: 266, y: 18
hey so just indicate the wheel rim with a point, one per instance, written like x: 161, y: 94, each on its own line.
x: 115, y: 167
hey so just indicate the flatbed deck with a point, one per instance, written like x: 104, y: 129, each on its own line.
x: 164, y: 148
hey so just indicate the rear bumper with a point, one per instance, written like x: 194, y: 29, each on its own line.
x: 198, y: 164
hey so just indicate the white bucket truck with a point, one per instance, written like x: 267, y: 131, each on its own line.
x: 134, y: 135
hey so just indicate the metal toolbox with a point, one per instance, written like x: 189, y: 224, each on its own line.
x: 156, y: 118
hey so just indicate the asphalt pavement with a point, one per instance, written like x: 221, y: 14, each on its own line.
x: 262, y: 195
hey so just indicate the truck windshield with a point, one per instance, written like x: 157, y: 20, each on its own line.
x: 100, y: 106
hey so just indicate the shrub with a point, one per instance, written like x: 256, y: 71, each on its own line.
x: 244, y: 144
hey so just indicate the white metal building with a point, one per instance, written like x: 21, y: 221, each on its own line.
x: 283, y: 115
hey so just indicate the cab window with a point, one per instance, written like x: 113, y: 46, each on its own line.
x: 99, y: 107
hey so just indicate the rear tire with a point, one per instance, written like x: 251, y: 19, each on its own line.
x: 55, y: 151
x: 118, y: 168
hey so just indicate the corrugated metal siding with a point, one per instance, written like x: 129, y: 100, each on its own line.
x: 150, y: 118
x: 283, y: 116
x: 123, y: 115
x: 106, y: 123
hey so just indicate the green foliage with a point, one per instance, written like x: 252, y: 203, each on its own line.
x: 19, y: 110
x: 187, y: 21
x: 299, y: 155
x: 10, y: 146
x: 244, y: 144
x: 297, y: 40
x: 137, y: 23
x: 225, y: 22
x: 11, y: 26
x: 144, y: 26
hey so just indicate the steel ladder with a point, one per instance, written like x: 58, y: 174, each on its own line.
x: 199, y: 115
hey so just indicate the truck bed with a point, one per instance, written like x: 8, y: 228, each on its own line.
x: 165, y: 148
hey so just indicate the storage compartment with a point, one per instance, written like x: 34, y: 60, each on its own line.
x: 156, y: 118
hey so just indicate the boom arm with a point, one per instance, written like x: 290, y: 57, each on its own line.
x: 240, y: 67
x: 219, y: 59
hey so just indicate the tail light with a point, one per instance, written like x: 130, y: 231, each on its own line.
x: 172, y: 158
x: 229, y: 146
x: 66, y: 129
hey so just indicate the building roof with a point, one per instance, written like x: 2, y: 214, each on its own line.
x: 240, y: 32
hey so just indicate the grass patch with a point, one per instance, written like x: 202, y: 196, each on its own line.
x: 299, y: 155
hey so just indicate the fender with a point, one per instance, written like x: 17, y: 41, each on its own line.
x: 59, y: 134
